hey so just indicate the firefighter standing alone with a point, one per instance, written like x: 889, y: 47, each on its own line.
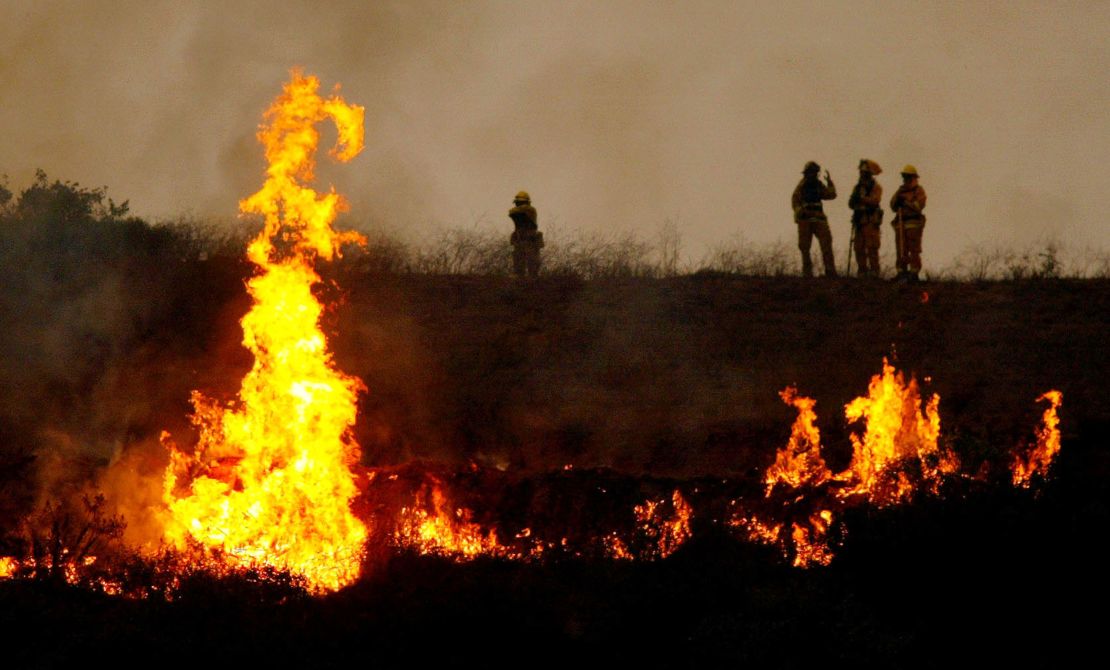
x: 526, y: 239
x: 810, y: 217
x: 909, y: 223
x: 867, y: 218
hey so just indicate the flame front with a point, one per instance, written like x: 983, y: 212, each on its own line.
x: 897, y: 454
x: 270, y: 483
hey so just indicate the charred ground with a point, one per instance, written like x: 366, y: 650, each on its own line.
x: 642, y: 385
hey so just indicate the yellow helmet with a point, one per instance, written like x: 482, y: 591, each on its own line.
x: 522, y: 197
x: 909, y: 170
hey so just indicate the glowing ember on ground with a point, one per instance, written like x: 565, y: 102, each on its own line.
x: 1039, y: 458
x: 665, y: 531
x: 810, y: 544
x: 269, y: 483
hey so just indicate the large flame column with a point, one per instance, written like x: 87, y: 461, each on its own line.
x: 269, y: 482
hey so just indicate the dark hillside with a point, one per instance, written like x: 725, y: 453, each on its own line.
x: 681, y: 376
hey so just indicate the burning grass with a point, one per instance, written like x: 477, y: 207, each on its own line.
x: 896, y: 456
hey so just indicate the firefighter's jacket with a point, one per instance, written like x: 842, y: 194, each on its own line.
x: 907, y: 204
x: 807, y: 198
x: 524, y: 217
x: 866, y: 203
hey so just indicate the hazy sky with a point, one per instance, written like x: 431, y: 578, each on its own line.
x: 615, y: 115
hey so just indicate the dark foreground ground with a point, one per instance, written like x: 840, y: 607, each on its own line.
x: 995, y: 579
x: 636, y: 383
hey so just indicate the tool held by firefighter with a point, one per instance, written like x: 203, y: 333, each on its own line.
x: 851, y: 245
x: 809, y: 215
x: 526, y: 239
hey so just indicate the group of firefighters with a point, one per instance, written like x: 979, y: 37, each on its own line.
x: 809, y: 215
x: 867, y: 218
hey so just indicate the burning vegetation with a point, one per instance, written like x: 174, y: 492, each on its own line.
x: 1038, y: 459
x: 269, y: 482
x: 896, y: 455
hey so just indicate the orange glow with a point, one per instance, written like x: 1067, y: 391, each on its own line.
x: 897, y: 432
x: 443, y: 530
x: 616, y: 549
x: 896, y: 455
x: 759, y: 531
x: 1040, y: 457
x: 8, y: 566
x: 269, y: 482
x: 799, y: 462
x: 810, y: 544
x: 666, y: 532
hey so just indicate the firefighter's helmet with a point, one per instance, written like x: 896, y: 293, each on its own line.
x: 910, y: 171
x: 522, y: 198
x: 870, y: 167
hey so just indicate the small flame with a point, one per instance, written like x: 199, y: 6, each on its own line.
x: 799, y: 463
x: 666, y: 532
x: 811, y: 545
x: 1040, y: 457
x: 444, y: 530
x: 8, y: 567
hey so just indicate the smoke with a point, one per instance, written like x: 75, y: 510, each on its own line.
x: 618, y: 115
x: 105, y: 328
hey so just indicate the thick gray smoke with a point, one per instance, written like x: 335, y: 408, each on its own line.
x: 615, y: 116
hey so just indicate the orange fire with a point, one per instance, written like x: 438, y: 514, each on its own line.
x: 897, y: 432
x: 800, y: 462
x: 666, y: 532
x: 270, y: 483
x: 445, y: 530
x: 811, y: 546
x: 897, y: 453
x: 8, y: 566
x: 1040, y: 457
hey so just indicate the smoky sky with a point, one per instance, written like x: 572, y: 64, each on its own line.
x: 614, y: 115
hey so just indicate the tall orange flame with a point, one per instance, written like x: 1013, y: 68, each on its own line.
x: 269, y: 482
x: 1040, y: 457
